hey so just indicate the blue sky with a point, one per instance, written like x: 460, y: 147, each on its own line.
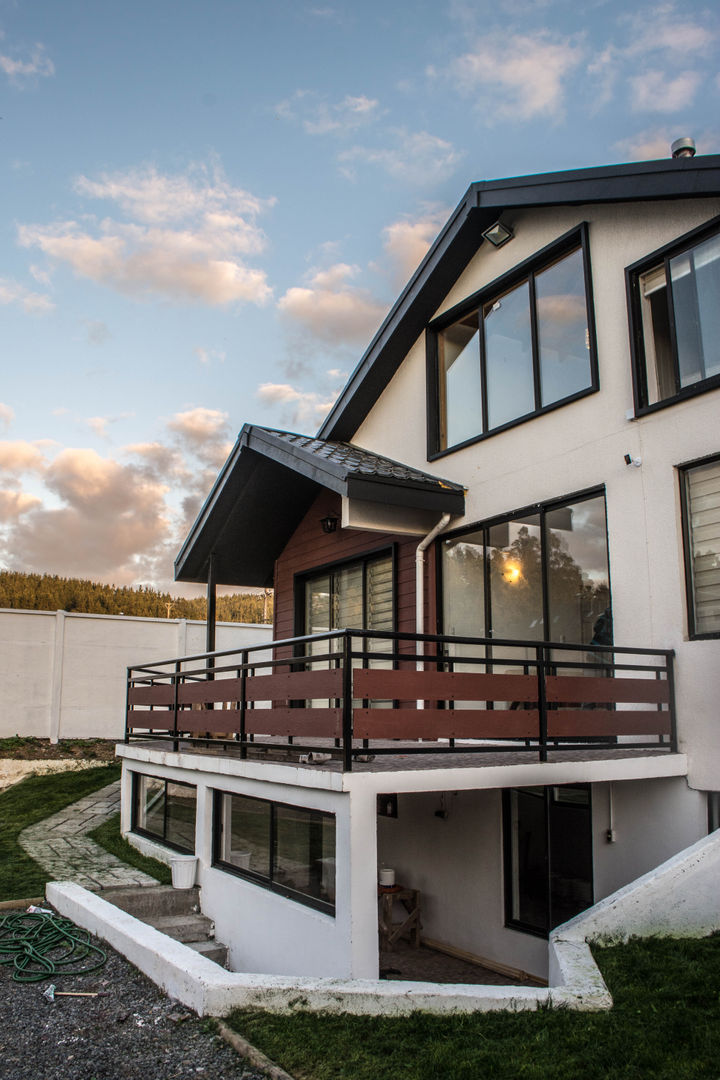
x: 208, y: 207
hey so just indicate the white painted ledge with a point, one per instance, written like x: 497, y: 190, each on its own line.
x: 678, y: 898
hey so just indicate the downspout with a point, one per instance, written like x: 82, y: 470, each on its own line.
x: 420, y: 588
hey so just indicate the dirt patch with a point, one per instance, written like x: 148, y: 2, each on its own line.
x: 26, y: 748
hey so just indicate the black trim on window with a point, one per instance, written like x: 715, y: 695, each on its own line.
x: 557, y: 906
x: 576, y: 239
x: 300, y: 579
x: 633, y: 276
x: 265, y: 881
x: 683, y: 471
x: 134, y: 816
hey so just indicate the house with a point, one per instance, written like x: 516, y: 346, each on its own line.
x: 514, y: 505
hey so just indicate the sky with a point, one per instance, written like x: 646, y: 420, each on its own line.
x: 207, y: 207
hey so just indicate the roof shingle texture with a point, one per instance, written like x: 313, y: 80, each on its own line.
x: 357, y: 460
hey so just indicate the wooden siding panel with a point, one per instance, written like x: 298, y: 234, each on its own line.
x: 578, y: 690
x: 444, y: 685
x: 585, y: 722
x: 446, y: 724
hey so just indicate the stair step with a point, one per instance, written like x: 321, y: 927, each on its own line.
x: 185, y: 928
x: 212, y: 949
x: 153, y: 900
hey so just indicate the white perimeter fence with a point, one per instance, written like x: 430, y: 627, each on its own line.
x: 63, y: 675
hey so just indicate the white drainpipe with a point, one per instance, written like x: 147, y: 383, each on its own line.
x: 420, y: 587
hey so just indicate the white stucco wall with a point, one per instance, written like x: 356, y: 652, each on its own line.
x: 582, y: 445
x: 63, y: 675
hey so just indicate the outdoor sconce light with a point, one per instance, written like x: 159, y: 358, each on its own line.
x: 329, y: 523
x: 498, y: 234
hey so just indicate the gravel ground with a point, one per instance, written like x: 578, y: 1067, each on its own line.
x: 131, y: 1032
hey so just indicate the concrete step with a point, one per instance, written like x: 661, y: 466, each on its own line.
x: 185, y: 928
x: 212, y: 949
x: 153, y: 900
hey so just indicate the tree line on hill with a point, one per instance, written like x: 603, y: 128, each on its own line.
x: 48, y: 592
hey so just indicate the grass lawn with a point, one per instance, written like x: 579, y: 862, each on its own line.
x: 665, y: 1025
x: 108, y: 836
x: 28, y: 802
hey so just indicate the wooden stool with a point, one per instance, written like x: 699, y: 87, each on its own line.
x: 391, y: 932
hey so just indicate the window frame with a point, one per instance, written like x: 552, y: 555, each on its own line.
x: 302, y: 577
x: 633, y: 273
x: 576, y: 238
x: 541, y: 509
x: 508, y: 875
x: 135, y: 828
x: 255, y: 878
x: 683, y: 471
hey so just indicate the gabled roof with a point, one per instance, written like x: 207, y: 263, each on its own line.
x: 266, y: 486
x: 459, y: 240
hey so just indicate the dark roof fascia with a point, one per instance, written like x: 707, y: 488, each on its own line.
x: 461, y: 237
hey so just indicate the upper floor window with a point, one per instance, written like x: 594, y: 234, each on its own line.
x: 674, y: 300
x: 521, y: 346
x: 700, y: 492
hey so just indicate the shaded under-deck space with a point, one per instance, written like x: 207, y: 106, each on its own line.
x: 424, y: 964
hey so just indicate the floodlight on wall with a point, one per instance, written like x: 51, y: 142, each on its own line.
x: 498, y: 234
x: 329, y: 523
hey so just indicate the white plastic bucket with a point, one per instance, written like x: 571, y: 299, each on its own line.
x: 386, y: 878
x: 183, y: 869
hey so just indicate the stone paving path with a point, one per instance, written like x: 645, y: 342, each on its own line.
x: 61, y: 846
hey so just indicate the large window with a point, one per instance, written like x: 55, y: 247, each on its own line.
x: 288, y: 849
x: 164, y: 810
x: 519, y: 347
x: 700, y: 491
x: 357, y: 594
x: 674, y: 300
x: 548, y: 855
x: 540, y: 574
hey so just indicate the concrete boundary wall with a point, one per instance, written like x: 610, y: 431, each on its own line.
x: 63, y: 675
x: 678, y: 898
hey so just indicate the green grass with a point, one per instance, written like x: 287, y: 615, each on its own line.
x: 108, y: 836
x: 665, y: 1025
x: 28, y: 802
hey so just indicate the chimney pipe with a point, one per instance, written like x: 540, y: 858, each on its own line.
x: 684, y: 147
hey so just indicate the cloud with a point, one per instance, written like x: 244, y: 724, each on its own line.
x: 15, y: 503
x: 189, y: 240
x: 204, y: 432
x: 11, y: 292
x: 207, y: 356
x: 655, y: 143
x: 330, y: 309
x: 414, y: 157
x: 19, y: 456
x: 653, y: 91
x: 519, y: 77
x: 407, y: 242
x: 38, y: 65
x: 659, y: 28
x: 306, y: 409
x: 7, y: 415
x: 96, y: 331
x: 320, y: 117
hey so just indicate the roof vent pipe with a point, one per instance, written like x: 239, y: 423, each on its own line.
x: 684, y: 147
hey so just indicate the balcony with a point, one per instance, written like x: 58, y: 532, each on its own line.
x: 355, y: 696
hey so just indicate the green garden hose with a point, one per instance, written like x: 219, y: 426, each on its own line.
x: 40, y: 946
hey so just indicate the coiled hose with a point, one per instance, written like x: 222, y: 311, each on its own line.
x: 40, y: 946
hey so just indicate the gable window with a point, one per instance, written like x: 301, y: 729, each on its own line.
x: 700, y: 493
x: 548, y: 855
x: 287, y: 849
x: 674, y: 301
x: 519, y: 347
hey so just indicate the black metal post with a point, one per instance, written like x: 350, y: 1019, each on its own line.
x: 211, y: 604
x: 176, y: 682
x: 243, y: 702
x: 347, y: 724
x: 671, y: 701
x: 127, y: 706
x: 542, y: 701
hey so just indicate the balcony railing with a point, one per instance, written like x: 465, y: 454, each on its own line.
x: 356, y: 693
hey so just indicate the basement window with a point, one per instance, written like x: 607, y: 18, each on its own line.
x: 674, y: 302
x: 287, y: 849
x: 164, y: 810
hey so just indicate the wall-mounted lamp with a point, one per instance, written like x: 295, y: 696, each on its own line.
x: 329, y: 523
x: 498, y: 234
x: 630, y: 460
